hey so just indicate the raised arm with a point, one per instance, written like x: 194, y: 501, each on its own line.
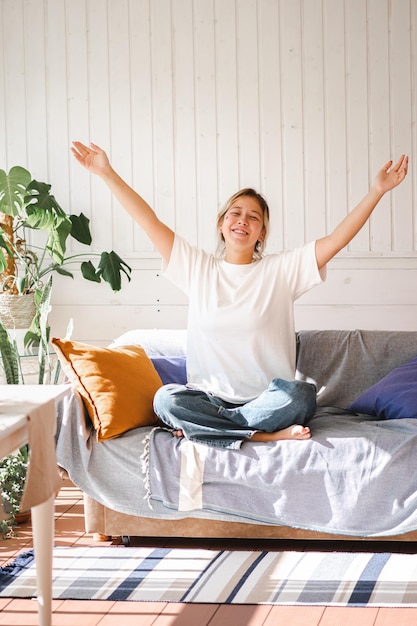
x: 387, y: 178
x: 95, y: 160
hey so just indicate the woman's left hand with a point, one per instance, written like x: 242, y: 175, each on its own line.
x: 391, y: 175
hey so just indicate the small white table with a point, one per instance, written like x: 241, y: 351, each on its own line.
x: 28, y: 415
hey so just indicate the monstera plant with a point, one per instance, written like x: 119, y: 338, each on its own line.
x: 27, y: 205
x: 26, y: 261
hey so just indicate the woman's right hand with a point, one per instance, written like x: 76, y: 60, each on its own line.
x: 93, y: 158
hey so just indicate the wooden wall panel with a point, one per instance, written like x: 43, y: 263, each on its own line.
x: 248, y: 94
x: 206, y: 165
x: 357, y: 99
x: 378, y: 89
x: 292, y: 108
x: 314, y: 123
x: 270, y: 121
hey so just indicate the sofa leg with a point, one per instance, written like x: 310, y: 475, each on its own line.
x: 101, y: 537
x: 126, y: 540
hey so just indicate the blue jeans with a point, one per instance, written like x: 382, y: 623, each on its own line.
x: 207, y: 419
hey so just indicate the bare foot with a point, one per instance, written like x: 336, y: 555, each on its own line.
x: 177, y: 433
x: 296, y: 432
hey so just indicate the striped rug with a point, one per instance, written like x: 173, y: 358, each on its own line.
x: 241, y: 577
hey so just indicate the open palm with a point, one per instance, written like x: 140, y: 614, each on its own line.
x: 93, y: 158
x: 391, y: 175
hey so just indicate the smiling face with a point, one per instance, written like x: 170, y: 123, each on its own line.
x: 243, y: 226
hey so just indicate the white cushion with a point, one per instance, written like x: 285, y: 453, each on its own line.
x: 155, y: 341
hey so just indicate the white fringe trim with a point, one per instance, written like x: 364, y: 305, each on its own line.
x: 145, y: 468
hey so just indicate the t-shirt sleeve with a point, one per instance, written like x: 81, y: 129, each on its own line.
x: 302, y: 270
x: 182, y: 265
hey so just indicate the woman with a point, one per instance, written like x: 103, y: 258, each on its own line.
x: 241, y: 335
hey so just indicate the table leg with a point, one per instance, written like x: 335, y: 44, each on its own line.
x: 43, y: 543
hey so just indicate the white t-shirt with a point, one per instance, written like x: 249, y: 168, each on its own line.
x: 241, y: 331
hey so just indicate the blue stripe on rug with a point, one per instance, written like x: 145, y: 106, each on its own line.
x: 245, y: 577
x: 363, y: 589
x: 147, y: 565
x: 9, y: 573
x: 200, y: 576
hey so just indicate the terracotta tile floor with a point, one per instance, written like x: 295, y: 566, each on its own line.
x: 69, y: 530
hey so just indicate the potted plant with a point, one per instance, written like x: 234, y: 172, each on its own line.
x: 37, y: 337
x: 27, y: 205
x: 13, y: 469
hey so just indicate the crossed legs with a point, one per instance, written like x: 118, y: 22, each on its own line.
x: 278, y: 413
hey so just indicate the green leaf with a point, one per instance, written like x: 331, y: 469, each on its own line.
x: 56, y: 244
x: 44, y: 213
x: 89, y: 272
x: 42, y: 208
x: 60, y: 270
x: 21, y: 283
x: 9, y: 356
x: 80, y: 228
x: 37, y: 335
x: 110, y: 267
x: 3, y: 262
x: 44, y: 307
x: 12, y: 189
x: 4, y: 249
x: 31, y: 342
x: 4, y: 244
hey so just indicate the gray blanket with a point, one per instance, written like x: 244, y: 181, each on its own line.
x: 352, y: 477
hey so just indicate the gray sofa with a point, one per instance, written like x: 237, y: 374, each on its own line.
x: 354, y: 479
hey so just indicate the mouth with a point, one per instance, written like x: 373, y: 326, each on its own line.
x: 239, y: 231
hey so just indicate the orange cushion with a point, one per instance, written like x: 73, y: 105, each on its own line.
x: 117, y: 384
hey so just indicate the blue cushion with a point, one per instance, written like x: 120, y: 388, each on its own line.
x: 171, y: 369
x: 393, y: 397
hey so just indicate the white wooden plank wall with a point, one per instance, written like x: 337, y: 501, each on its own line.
x: 193, y: 99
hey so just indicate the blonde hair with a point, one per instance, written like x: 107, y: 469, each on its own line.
x: 263, y: 205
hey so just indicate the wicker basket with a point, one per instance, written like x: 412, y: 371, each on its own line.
x: 17, y: 311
